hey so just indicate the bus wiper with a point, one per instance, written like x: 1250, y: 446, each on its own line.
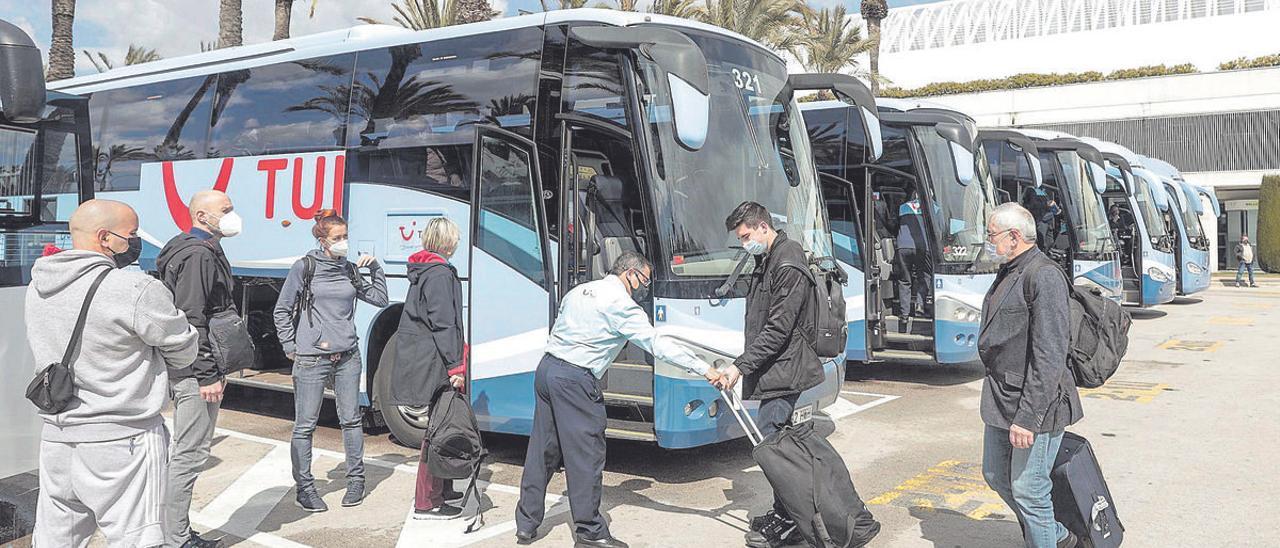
x: 742, y: 257
x: 761, y: 164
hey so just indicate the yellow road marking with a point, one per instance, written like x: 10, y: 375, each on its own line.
x: 1191, y: 346
x: 950, y: 485
x: 1231, y: 320
x: 1140, y: 392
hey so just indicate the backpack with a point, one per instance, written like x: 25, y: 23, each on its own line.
x: 453, y: 448
x: 830, y: 324
x: 305, y: 301
x: 1099, y: 333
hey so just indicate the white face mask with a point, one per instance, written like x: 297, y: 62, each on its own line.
x: 755, y: 248
x: 339, y: 249
x: 230, y: 225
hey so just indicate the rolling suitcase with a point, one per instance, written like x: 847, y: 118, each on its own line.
x: 811, y: 480
x: 1081, y: 500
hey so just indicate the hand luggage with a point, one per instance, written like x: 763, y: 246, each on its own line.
x: 811, y: 480
x: 1081, y: 499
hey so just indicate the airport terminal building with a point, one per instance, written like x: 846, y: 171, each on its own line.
x: 1220, y: 128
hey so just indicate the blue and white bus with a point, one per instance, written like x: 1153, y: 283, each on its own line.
x: 933, y: 153
x: 1133, y: 197
x: 557, y: 140
x: 1191, y: 249
x: 44, y: 151
x: 1071, y: 217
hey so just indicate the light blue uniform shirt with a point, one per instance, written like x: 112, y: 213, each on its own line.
x: 598, y: 318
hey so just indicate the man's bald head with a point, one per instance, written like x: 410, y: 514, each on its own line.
x: 103, y: 226
x: 207, y: 207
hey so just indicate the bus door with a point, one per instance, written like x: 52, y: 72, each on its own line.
x: 841, y: 199
x: 511, y: 286
x: 604, y: 215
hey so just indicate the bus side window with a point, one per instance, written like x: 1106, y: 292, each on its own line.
x: 508, y: 220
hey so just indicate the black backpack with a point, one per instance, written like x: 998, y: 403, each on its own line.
x: 1099, y: 333
x: 453, y: 448
x: 829, y: 322
x: 306, y: 300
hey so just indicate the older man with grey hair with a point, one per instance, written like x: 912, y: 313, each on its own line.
x: 1028, y: 396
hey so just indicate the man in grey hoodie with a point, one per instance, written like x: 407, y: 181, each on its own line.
x: 103, y: 460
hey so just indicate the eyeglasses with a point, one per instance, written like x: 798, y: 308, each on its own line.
x: 991, y: 237
x: 644, y: 280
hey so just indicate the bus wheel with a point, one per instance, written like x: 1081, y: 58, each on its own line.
x: 408, y: 424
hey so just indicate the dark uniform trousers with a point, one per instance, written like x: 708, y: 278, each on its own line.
x: 568, y: 428
x: 774, y: 415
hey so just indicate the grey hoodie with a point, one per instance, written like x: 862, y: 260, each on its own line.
x: 330, y: 326
x: 132, y: 335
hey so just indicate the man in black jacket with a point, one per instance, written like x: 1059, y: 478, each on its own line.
x: 778, y: 361
x: 1029, y: 395
x: 196, y: 270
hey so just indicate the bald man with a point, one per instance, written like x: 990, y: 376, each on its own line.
x: 103, y: 459
x: 195, y: 268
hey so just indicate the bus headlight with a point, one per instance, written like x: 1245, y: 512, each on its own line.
x: 954, y: 310
x: 1195, y: 269
x: 1158, y: 275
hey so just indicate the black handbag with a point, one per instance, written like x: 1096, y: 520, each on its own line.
x: 232, y: 345
x: 54, y: 386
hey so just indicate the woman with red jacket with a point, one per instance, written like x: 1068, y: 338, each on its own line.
x: 430, y: 350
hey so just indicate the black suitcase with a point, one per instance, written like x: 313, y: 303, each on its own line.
x: 812, y: 482
x: 1081, y: 500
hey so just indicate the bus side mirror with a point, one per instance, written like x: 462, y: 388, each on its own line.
x: 1037, y: 170
x: 21, y: 75
x: 956, y: 135
x: 682, y: 61
x: 851, y: 91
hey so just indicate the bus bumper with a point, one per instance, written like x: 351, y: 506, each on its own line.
x: 955, y: 342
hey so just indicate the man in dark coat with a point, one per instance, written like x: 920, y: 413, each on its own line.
x: 779, y: 361
x: 196, y: 269
x: 1029, y: 395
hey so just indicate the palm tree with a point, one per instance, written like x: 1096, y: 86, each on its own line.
x: 770, y: 22
x: 621, y: 5
x: 874, y: 11
x: 62, y: 54
x: 829, y: 42
x: 564, y: 4
x: 688, y: 9
x: 135, y: 56
x: 474, y: 11
x: 423, y: 14
x: 230, y: 24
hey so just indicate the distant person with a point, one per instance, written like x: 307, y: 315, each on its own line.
x: 194, y: 266
x: 779, y: 362
x: 1244, y: 254
x: 315, y: 319
x: 913, y: 262
x: 430, y: 349
x: 1028, y: 395
x: 104, y: 460
x: 596, y: 320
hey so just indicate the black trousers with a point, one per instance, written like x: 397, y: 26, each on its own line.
x: 568, y: 428
x: 913, y: 280
x: 774, y: 414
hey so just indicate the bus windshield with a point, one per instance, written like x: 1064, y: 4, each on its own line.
x: 757, y: 148
x: 1190, y: 219
x: 1150, y: 212
x: 1088, y: 215
x: 960, y: 210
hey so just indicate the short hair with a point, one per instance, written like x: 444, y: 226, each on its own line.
x: 748, y: 213
x: 629, y: 260
x: 441, y: 236
x: 1012, y: 216
x: 326, y: 219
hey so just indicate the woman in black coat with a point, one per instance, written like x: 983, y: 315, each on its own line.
x: 430, y: 349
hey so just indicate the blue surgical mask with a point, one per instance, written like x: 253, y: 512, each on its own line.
x: 755, y: 248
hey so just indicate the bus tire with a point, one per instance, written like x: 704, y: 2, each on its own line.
x: 408, y: 425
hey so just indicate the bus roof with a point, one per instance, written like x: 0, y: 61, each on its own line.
x: 359, y: 38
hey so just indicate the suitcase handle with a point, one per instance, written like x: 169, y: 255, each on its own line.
x: 739, y: 411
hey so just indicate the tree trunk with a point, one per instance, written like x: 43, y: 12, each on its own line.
x: 284, y: 13
x: 62, y: 53
x: 230, y: 24
x: 873, y: 32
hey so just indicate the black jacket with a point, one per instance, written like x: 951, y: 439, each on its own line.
x: 779, y: 359
x: 1023, y: 346
x: 429, y: 340
x: 197, y: 272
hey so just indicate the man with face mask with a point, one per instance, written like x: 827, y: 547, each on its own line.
x: 194, y: 266
x: 595, y: 321
x: 103, y: 459
x: 1029, y: 395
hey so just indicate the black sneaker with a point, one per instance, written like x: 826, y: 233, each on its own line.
x: 778, y: 531
x: 442, y: 512
x: 310, y: 501
x: 1069, y: 541
x: 758, y: 522
x: 452, y: 496
x: 355, y: 493
x: 196, y: 541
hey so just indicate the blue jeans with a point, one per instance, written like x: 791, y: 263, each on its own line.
x: 1021, y: 478
x: 1240, y: 272
x: 310, y: 374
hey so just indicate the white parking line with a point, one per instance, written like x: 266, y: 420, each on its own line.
x: 842, y: 408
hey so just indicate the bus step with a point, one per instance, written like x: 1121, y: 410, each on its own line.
x: 903, y: 356
x: 621, y: 399
x: 278, y: 380
x: 631, y: 379
x: 630, y: 430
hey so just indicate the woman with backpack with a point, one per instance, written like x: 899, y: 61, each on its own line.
x: 315, y: 319
x: 430, y: 351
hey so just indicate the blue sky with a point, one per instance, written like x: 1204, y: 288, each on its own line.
x: 177, y: 27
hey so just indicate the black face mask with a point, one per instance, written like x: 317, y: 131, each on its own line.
x: 130, y: 255
x: 641, y: 292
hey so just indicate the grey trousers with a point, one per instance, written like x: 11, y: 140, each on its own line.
x: 193, y: 422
